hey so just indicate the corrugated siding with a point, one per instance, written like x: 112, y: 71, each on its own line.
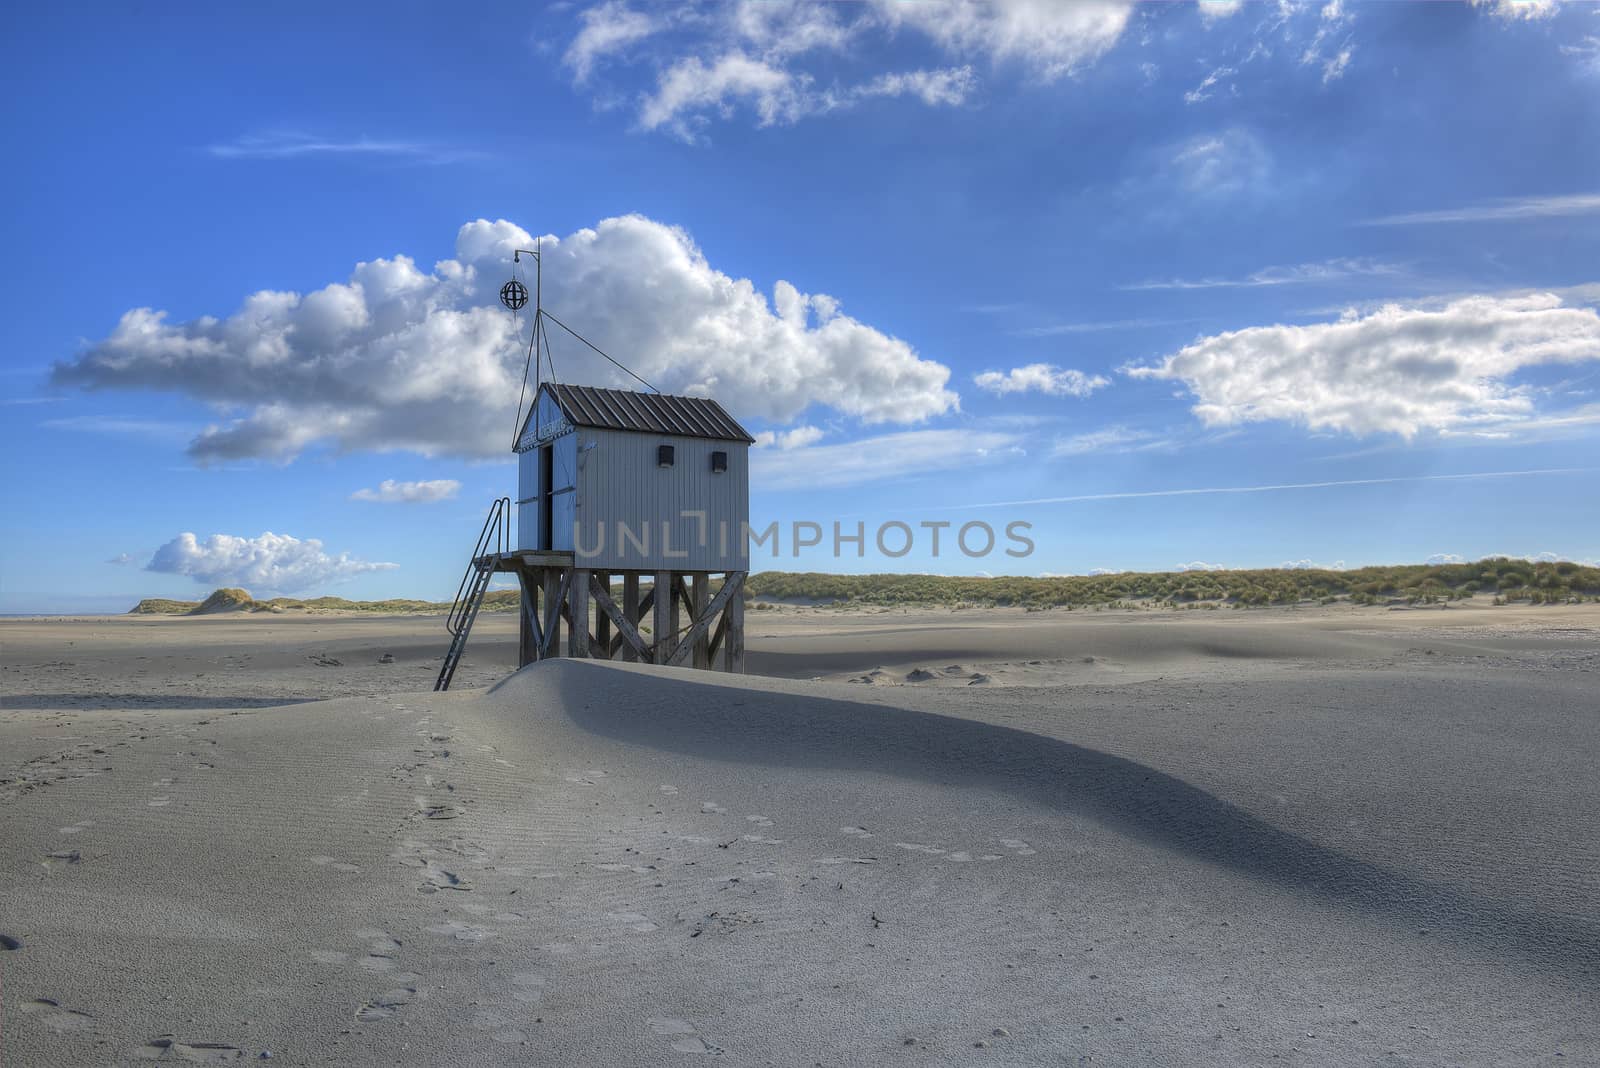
x: 619, y: 481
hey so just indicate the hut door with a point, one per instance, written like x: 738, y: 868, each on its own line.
x: 546, y: 494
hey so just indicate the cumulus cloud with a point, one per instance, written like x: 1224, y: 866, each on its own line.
x: 1041, y: 378
x: 391, y: 492
x: 397, y: 357
x: 776, y: 61
x: 1310, y: 565
x: 1219, y: 9
x: 1397, y: 370
x: 121, y: 559
x: 1201, y: 565
x: 887, y: 456
x: 1445, y: 558
x: 798, y: 438
x: 272, y: 562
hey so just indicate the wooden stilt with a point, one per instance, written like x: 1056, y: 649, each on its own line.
x: 578, y: 613
x: 602, y: 622
x: 733, y: 618
x: 666, y: 616
x: 630, y: 610
x: 699, y: 595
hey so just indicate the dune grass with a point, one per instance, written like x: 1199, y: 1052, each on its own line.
x: 1504, y: 579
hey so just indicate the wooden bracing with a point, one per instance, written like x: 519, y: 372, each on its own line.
x: 676, y: 620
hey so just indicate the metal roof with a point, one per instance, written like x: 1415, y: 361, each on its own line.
x: 649, y: 413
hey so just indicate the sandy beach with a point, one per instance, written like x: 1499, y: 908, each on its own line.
x: 1327, y: 836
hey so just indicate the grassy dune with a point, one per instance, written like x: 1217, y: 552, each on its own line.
x: 1500, y: 578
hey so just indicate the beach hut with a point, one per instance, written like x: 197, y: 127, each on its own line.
x: 631, y: 523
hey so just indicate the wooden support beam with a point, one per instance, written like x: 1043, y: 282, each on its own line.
x: 626, y: 632
x: 724, y: 596
x: 630, y: 612
x: 530, y: 637
x: 555, y: 596
x: 699, y: 594
x: 602, y: 622
x: 716, y: 639
x: 578, y: 612
x: 666, y: 616
x: 733, y: 617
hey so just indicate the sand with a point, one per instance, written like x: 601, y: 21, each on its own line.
x: 1332, y: 836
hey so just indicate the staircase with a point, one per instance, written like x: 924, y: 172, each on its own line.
x: 494, y: 540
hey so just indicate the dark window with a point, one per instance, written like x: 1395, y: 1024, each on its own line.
x: 664, y: 455
x: 719, y: 462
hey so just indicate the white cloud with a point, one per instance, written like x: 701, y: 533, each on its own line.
x: 1524, y: 10
x: 1041, y: 378
x: 121, y: 559
x: 887, y: 456
x: 1108, y: 439
x: 119, y: 424
x: 798, y: 438
x: 1223, y: 164
x: 608, y: 28
x: 1208, y: 85
x: 1050, y: 39
x: 400, y: 358
x: 271, y: 562
x: 691, y: 91
x: 1587, y: 53
x: 1333, y: 67
x: 1310, y: 565
x: 1397, y: 370
x: 1509, y: 209
x: 295, y: 144
x: 1105, y: 571
x: 391, y: 492
x: 1445, y: 558
x: 1219, y: 9
x: 1327, y: 271
x: 1201, y: 565
x: 775, y: 60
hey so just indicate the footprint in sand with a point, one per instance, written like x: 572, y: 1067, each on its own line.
x: 760, y: 821
x: 856, y: 832
x: 670, y: 791
x: 167, y: 1048
x: 463, y: 932
x: 918, y: 847
x: 711, y: 806
x: 386, y: 1004
x: 62, y: 858
x: 681, y: 1034
x: 1018, y: 847
x: 329, y: 862
x: 761, y: 839
x: 158, y: 802
x: 54, y: 1017
x: 529, y: 987
x: 78, y: 828
x: 636, y: 922
x: 488, y: 1020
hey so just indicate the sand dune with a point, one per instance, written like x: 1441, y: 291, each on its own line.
x: 1349, y: 849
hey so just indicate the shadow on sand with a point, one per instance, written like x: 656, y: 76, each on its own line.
x: 733, y: 723
x: 79, y: 702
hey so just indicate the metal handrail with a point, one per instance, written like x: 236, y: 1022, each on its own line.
x: 496, y: 533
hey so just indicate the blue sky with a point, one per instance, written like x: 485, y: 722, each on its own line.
x: 1069, y: 265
